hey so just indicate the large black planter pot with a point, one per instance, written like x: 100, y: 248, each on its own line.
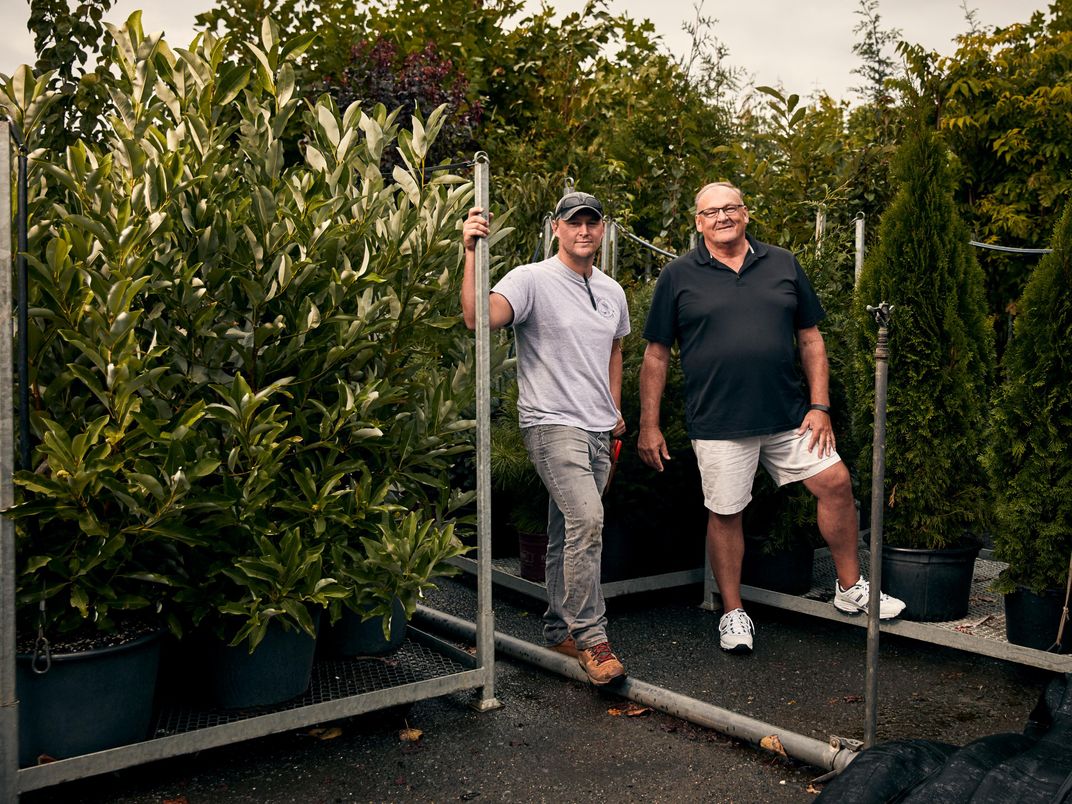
x: 87, y: 701
x: 789, y: 572
x: 934, y: 584
x: 532, y: 555
x: 352, y: 636
x: 279, y: 669
x: 1032, y: 619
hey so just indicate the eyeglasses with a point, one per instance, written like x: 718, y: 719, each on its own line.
x: 730, y: 210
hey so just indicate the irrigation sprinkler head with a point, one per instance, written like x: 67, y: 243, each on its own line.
x: 881, y: 312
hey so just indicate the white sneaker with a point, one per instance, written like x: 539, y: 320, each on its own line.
x: 854, y: 600
x: 735, y: 631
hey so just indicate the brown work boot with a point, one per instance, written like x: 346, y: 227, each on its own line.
x: 567, y: 647
x: 600, y: 663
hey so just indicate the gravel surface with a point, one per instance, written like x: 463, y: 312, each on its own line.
x: 557, y: 740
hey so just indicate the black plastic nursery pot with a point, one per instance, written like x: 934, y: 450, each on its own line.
x: 87, y: 701
x: 353, y: 636
x: 279, y: 668
x: 1032, y: 619
x: 787, y: 571
x: 532, y: 552
x: 934, y: 584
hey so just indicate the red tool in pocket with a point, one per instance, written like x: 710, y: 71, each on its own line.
x: 615, y: 451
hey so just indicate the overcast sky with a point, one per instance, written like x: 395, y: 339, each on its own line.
x: 802, y: 46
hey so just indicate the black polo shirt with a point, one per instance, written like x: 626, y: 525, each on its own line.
x: 737, y: 333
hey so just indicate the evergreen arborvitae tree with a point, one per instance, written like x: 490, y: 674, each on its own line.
x: 941, y: 357
x: 1030, y: 452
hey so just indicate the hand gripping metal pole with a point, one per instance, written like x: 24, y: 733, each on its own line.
x: 878, y: 479
x: 485, y: 643
x: 9, y: 709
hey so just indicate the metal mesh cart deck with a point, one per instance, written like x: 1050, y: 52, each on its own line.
x: 424, y: 667
x: 981, y: 630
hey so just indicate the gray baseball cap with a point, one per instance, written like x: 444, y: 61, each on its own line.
x: 572, y: 203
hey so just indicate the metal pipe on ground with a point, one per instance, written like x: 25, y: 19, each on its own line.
x: 828, y: 756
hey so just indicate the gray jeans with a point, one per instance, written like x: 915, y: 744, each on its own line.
x: 573, y: 465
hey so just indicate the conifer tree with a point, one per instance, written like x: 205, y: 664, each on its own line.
x: 941, y: 357
x: 1030, y: 451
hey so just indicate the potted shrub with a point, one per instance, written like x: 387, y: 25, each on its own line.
x: 940, y: 369
x: 111, y: 462
x: 339, y: 371
x: 1030, y: 453
x: 387, y: 577
x: 235, y: 338
x: 266, y: 655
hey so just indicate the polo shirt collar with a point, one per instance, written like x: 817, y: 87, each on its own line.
x: 756, y: 251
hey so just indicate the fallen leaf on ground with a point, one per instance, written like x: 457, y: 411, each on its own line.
x: 853, y: 699
x: 179, y: 800
x: 812, y: 789
x: 44, y: 759
x: 967, y: 627
x: 629, y: 710
x: 772, y: 743
x: 325, y: 734
x: 409, y: 735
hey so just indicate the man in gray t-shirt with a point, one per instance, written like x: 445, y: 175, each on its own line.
x: 568, y: 319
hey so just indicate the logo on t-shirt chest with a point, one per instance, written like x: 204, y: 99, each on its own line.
x: 605, y: 308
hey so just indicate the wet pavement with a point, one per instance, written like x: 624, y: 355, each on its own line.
x: 560, y: 740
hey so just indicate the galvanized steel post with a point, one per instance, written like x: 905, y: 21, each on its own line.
x: 860, y: 223
x: 878, y: 477
x: 820, y: 229
x: 485, y: 643
x: 9, y: 705
x: 608, y: 258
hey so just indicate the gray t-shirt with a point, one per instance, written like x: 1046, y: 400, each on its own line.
x: 563, y: 344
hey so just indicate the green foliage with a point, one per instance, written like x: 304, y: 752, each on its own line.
x: 873, y: 49
x: 1005, y: 109
x: 793, y: 163
x: 941, y: 357
x: 1005, y: 116
x: 401, y: 561
x: 65, y: 40
x: 1030, y: 437
x: 283, y: 581
x: 227, y: 349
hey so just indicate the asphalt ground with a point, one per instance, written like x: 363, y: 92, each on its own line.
x: 560, y: 740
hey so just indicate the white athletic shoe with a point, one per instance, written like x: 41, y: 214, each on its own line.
x: 735, y: 632
x: 855, y: 599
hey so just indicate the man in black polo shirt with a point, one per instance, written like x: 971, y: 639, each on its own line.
x: 740, y: 311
